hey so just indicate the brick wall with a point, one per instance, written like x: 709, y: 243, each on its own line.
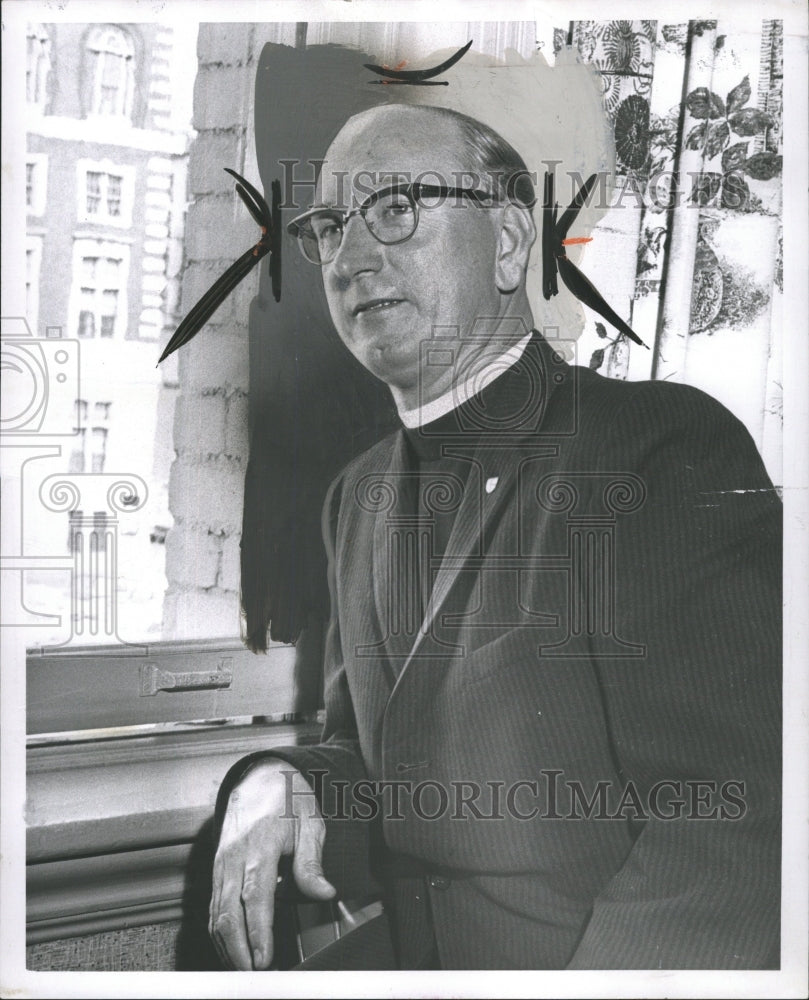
x: 206, y: 487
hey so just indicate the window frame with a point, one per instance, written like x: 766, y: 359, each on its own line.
x: 95, y: 48
x: 91, y: 434
x: 106, y: 168
x: 39, y: 184
x: 39, y: 72
x: 33, y: 246
x: 84, y: 248
x: 115, y: 817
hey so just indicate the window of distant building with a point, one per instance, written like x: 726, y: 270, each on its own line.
x: 33, y: 261
x: 91, y: 427
x: 98, y: 306
x: 111, y: 76
x: 36, y: 175
x: 37, y: 64
x: 105, y: 192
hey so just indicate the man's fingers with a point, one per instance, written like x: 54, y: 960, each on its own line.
x: 307, y: 864
x: 256, y: 832
x: 258, y: 900
x: 216, y: 890
x: 216, y: 908
x: 241, y: 912
x: 229, y: 934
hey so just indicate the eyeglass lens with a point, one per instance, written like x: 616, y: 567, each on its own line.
x: 390, y: 217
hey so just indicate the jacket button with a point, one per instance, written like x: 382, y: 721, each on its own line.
x: 439, y: 882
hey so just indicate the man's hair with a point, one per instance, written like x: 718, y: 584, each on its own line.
x: 500, y: 166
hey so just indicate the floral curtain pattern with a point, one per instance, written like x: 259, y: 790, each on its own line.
x: 696, y: 115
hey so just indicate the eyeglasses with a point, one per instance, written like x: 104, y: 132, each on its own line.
x: 391, y: 215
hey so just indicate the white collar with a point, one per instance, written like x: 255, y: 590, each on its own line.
x: 457, y: 395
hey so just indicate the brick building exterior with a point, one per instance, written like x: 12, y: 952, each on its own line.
x: 106, y: 161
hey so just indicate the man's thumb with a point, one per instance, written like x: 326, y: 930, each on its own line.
x: 307, y: 864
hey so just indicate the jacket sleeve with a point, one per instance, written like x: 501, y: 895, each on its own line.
x: 697, y: 719
x: 334, y: 767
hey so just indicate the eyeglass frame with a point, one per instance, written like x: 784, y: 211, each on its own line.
x: 412, y: 191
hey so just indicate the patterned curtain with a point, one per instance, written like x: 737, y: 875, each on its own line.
x: 696, y: 114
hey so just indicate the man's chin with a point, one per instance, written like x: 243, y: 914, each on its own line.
x: 397, y: 372
x: 386, y: 350
x: 394, y: 363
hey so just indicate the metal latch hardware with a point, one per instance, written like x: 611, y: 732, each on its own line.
x: 153, y: 679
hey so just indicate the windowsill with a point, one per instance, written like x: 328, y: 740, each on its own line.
x: 112, y: 132
x: 113, y: 824
x: 79, y: 688
x: 104, y: 230
x: 125, y: 757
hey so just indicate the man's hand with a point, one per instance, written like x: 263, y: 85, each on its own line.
x: 271, y: 812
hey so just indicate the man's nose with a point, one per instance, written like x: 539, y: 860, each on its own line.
x: 358, y: 252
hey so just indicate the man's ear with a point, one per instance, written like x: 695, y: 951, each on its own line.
x: 517, y: 236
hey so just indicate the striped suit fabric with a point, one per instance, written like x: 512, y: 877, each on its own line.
x: 600, y: 648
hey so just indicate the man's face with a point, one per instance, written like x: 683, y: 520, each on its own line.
x: 385, y: 300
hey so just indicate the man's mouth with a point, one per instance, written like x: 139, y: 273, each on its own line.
x: 375, y: 305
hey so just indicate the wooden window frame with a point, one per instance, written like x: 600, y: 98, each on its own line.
x: 86, y: 247
x: 98, y: 50
x: 124, y: 761
x: 38, y: 66
x: 106, y: 168
x: 35, y: 206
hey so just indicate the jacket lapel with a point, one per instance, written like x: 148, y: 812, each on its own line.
x: 477, y: 513
x: 396, y: 535
x: 490, y: 486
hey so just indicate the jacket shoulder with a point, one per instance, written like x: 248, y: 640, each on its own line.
x: 605, y: 402
x: 373, y: 460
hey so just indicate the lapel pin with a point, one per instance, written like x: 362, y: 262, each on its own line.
x: 491, y: 484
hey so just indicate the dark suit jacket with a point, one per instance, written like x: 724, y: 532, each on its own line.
x: 601, y: 643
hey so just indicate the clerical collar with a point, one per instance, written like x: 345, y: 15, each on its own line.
x: 457, y: 395
x: 511, y: 403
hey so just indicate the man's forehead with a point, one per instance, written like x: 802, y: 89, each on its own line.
x: 402, y: 144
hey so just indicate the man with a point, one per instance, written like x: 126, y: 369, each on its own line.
x: 553, y: 670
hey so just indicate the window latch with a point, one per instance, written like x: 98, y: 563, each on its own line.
x: 153, y: 679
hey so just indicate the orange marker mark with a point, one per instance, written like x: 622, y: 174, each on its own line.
x: 576, y: 239
x: 398, y: 66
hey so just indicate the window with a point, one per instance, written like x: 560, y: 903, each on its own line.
x: 113, y: 194
x: 80, y: 525
x: 93, y: 200
x: 99, y: 296
x: 33, y: 260
x: 89, y: 452
x: 77, y: 459
x: 99, y: 446
x: 99, y: 289
x: 105, y: 192
x: 111, y: 57
x: 37, y: 65
x: 36, y: 173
